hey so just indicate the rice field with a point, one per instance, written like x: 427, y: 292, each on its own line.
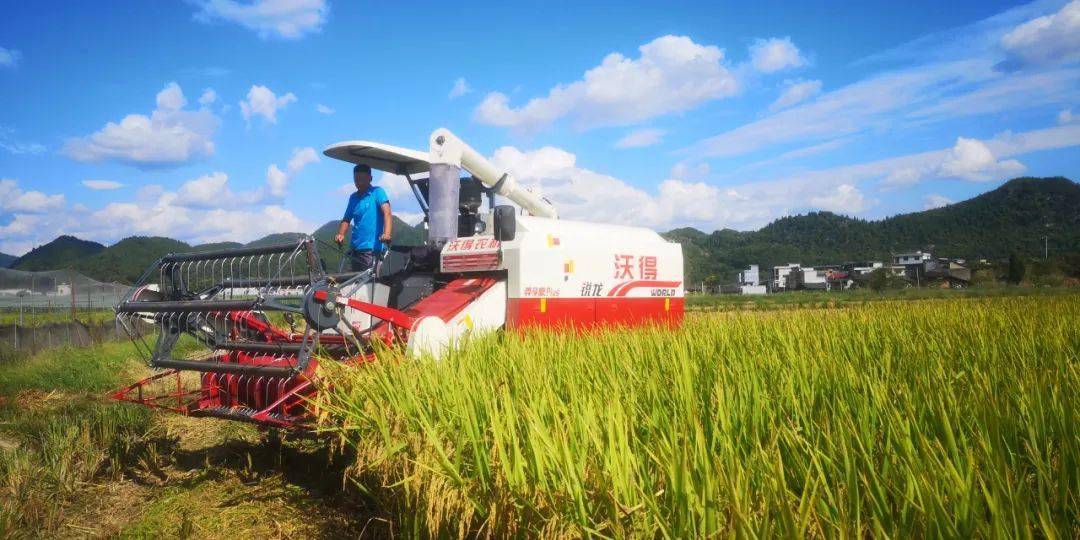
x: 952, y: 417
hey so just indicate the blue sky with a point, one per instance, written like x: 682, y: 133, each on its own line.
x: 204, y: 120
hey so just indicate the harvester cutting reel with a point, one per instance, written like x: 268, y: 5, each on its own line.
x: 240, y: 329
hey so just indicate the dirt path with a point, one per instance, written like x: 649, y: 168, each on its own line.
x: 211, y: 478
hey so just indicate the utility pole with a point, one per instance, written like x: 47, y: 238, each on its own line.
x: 1046, y: 247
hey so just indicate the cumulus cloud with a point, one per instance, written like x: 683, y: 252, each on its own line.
x: 795, y: 92
x: 580, y: 193
x: 277, y: 180
x: 1048, y: 39
x: 208, y: 97
x: 14, y: 199
x: 934, y: 200
x: 395, y: 185
x: 640, y: 138
x: 671, y: 75
x: 843, y: 199
x: 286, y: 19
x: 323, y: 109
x: 262, y: 101
x: 968, y: 159
x: 207, y: 191
x: 682, y: 170
x: 775, y: 54
x: 9, y: 57
x: 460, y: 88
x: 971, y: 159
x: 204, y: 209
x: 102, y: 185
x: 170, y: 136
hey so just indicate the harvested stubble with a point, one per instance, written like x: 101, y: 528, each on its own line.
x: 903, y: 419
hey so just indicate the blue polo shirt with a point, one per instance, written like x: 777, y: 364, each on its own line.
x: 367, y: 220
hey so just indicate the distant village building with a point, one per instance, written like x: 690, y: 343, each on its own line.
x: 750, y: 281
x: 911, y: 258
x: 782, y: 277
x: 750, y: 276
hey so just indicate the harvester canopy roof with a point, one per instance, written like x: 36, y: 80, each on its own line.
x: 384, y: 157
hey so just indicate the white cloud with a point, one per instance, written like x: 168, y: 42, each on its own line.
x: 208, y: 97
x: 287, y: 19
x: 395, y: 186
x: 1004, y: 92
x: 100, y: 185
x: 971, y: 159
x: 14, y: 199
x: 640, y: 138
x: 170, y: 136
x: 795, y: 92
x: 460, y: 88
x: 261, y: 101
x: 673, y: 74
x: 844, y: 199
x: 9, y: 57
x: 277, y: 181
x: 853, y: 108
x: 1046, y: 40
x: 8, y: 143
x: 580, y: 193
x: 951, y: 74
x: 935, y: 200
x: 1066, y: 116
x: 968, y: 159
x: 814, y: 150
x: 323, y: 109
x: 191, y: 214
x: 682, y: 170
x: 775, y: 54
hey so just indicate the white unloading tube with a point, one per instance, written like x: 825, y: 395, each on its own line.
x: 448, y: 149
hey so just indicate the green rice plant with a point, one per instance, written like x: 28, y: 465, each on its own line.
x: 935, y: 418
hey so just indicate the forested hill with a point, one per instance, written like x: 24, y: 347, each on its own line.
x: 126, y: 260
x: 64, y: 248
x: 1014, y: 217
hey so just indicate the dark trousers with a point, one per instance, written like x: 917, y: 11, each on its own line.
x: 362, y: 260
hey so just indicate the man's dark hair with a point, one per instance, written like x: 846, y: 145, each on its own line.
x: 361, y: 168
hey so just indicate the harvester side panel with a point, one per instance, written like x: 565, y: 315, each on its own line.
x: 569, y: 273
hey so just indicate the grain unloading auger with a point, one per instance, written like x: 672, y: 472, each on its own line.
x: 239, y: 333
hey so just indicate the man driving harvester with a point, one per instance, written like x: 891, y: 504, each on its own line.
x: 369, y: 212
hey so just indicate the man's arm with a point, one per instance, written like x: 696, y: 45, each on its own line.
x: 388, y: 223
x: 342, y: 228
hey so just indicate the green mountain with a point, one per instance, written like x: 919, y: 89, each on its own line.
x: 6, y: 260
x: 276, y: 238
x: 126, y: 260
x: 217, y: 245
x: 60, y: 253
x: 1014, y: 217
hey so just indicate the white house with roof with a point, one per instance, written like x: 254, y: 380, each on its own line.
x: 911, y: 258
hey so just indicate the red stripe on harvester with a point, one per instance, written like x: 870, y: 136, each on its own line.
x: 623, y: 288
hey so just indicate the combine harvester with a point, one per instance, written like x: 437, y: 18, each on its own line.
x: 265, y: 316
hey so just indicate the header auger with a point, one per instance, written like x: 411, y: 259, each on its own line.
x: 239, y: 332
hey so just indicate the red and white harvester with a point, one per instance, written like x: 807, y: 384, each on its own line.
x: 263, y: 317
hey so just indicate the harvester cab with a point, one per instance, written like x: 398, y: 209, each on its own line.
x: 239, y: 333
